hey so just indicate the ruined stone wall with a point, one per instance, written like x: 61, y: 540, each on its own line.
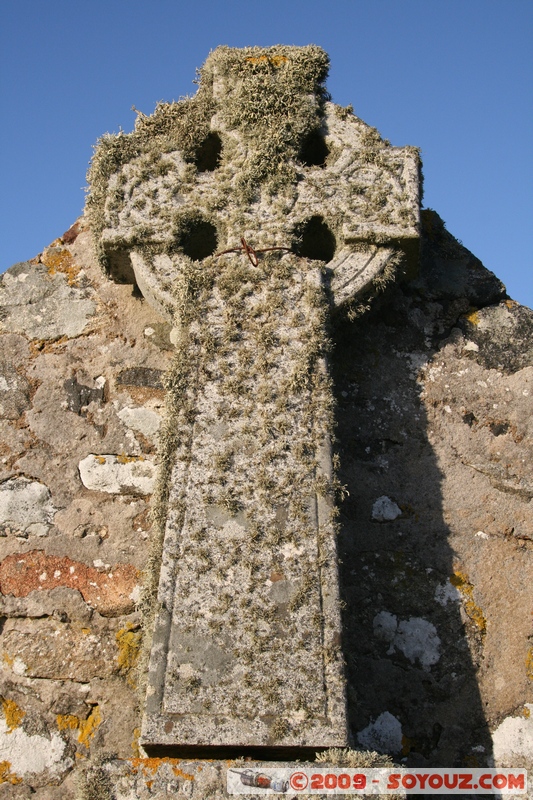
x: 82, y: 366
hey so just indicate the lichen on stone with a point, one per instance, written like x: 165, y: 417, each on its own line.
x: 13, y: 714
x: 86, y: 728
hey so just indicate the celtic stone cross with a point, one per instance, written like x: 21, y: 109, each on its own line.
x: 244, y: 214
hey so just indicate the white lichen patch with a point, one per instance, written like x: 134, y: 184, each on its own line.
x: 513, y: 738
x: 415, y: 637
x: 25, y: 508
x: 18, y: 666
x: 383, y: 736
x: 385, y: 510
x: 117, y: 474
x: 29, y: 755
x: 43, y: 306
x: 447, y: 593
x: 142, y: 420
x: 385, y: 626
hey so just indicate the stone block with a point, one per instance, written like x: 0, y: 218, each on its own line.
x: 41, y: 304
x: 25, y: 508
x: 118, y: 474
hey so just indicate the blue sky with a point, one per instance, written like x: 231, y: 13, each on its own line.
x: 453, y: 77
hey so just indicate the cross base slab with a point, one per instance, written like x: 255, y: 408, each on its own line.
x: 223, y: 737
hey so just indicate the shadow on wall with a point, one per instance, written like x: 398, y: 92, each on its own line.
x: 412, y: 688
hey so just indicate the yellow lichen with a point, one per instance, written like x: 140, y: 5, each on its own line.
x: 67, y: 721
x: 60, y: 260
x: 86, y: 727
x: 89, y: 726
x: 129, y: 644
x: 529, y: 664
x: 100, y: 459
x: 460, y: 581
x: 180, y: 774
x: 473, y: 317
x: 149, y: 767
x: 122, y: 458
x: 7, y: 659
x: 6, y: 776
x: 13, y: 713
x: 135, y: 742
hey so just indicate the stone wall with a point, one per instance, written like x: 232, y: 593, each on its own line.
x: 82, y: 369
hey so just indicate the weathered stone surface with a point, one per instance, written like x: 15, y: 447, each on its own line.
x: 385, y: 510
x: 51, y: 649
x: 117, y: 474
x: 111, y: 592
x: 66, y: 390
x: 25, y: 508
x: 29, y: 755
x: 503, y: 334
x: 143, y: 420
x: 450, y: 272
x: 513, y: 740
x: 41, y: 304
x: 71, y: 235
x: 15, y: 389
x: 62, y: 603
x: 141, y: 376
x: 418, y: 417
x: 229, y: 617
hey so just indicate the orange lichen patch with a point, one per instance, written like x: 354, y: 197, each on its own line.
x: 122, y: 458
x: 180, y: 774
x: 6, y: 776
x: 529, y: 664
x: 86, y: 727
x: 460, y: 581
x: 149, y: 766
x: 109, y: 592
x: 276, y: 61
x: 59, y: 259
x: 67, y: 721
x: 129, y: 646
x: 13, y: 714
